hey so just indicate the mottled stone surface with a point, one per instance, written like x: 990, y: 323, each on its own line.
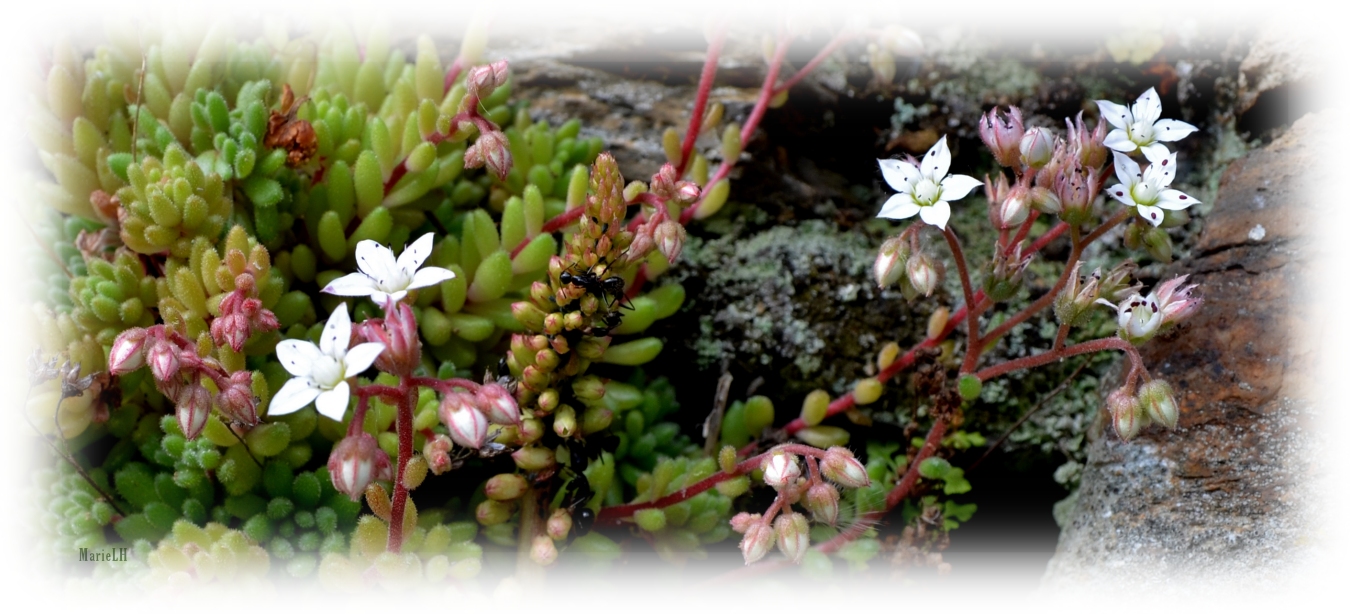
x: 1230, y: 498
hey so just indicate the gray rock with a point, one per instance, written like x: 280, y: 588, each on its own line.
x: 1231, y: 498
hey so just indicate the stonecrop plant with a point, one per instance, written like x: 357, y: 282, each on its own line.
x: 314, y: 308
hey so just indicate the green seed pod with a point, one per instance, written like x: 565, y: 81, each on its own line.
x: 633, y: 353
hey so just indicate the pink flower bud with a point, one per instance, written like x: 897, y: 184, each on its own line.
x: 493, y: 150
x: 794, y: 536
x: 468, y: 426
x: 192, y: 407
x: 402, y: 347
x: 1126, y: 413
x: 128, y: 351
x: 163, y: 359
x: 1003, y: 135
x: 543, y: 551
x: 355, y: 462
x: 1015, y: 208
x: 1088, y: 146
x: 437, y: 454
x: 669, y: 237
x: 498, y: 404
x: 758, y: 539
x: 841, y: 466
x: 890, y: 262
x: 1156, y: 397
x: 822, y: 500
x: 781, y: 470
x: 1036, y: 147
x: 505, y: 487
x: 236, y: 399
x: 742, y: 522
x: 924, y: 273
x: 559, y: 524
x: 230, y: 329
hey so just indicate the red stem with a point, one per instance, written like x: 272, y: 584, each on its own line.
x: 1087, y: 347
x: 405, y: 449
x: 766, y: 94
x: 705, y: 82
x: 972, y: 314
x: 835, y: 43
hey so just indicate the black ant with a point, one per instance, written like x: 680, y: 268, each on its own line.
x: 609, y: 288
x: 576, y: 495
x: 612, y: 319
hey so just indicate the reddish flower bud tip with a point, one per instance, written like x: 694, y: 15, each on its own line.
x: 163, y: 359
x: 128, y: 351
x: 841, y: 466
x: 468, y: 425
x: 559, y: 524
x: 742, y: 522
x: 794, y: 536
x: 437, y: 452
x: 1126, y: 413
x: 193, y: 406
x: 498, y: 404
x: 236, y: 400
x: 822, y: 500
x: 759, y: 537
x: 543, y: 551
x: 669, y: 237
x: 355, y: 462
x: 781, y: 470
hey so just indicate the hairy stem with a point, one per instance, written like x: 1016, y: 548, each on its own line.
x: 405, y: 448
x: 972, y: 309
x: 705, y: 83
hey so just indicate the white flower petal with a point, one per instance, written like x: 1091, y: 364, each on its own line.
x: 1115, y: 114
x: 333, y: 403
x: 1172, y: 130
x: 430, y: 276
x: 1120, y: 141
x: 1148, y: 108
x: 414, y: 255
x: 900, y: 175
x: 956, y: 187
x: 1153, y: 215
x: 937, y: 214
x: 296, y: 356
x: 1127, y: 171
x: 1121, y: 192
x: 351, y: 284
x: 1163, y: 169
x: 1175, y: 200
x: 360, y: 358
x: 337, y: 333
x: 293, y: 396
x: 936, y: 162
x: 375, y: 260
x: 1155, y: 152
x: 899, y: 207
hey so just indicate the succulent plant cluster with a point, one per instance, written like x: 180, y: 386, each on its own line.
x: 343, y: 311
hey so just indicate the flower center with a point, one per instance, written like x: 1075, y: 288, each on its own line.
x: 398, y: 280
x: 1145, y: 192
x: 926, y: 192
x: 1141, y: 132
x: 327, y: 372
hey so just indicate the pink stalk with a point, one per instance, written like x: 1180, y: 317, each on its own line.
x: 705, y: 83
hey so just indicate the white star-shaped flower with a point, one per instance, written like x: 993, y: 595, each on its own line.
x: 1138, y: 126
x: 384, y: 279
x: 1147, y: 191
x: 320, y: 372
x: 926, y: 189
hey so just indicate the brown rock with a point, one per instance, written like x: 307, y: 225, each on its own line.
x: 1227, y: 496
